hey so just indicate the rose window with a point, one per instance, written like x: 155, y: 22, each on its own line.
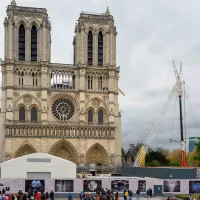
x: 63, y: 109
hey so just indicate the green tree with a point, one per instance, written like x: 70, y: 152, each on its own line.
x: 123, y: 154
x: 191, y: 159
x: 197, y: 149
x: 153, y: 163
x: 174, y: 156
x: 156, y: 158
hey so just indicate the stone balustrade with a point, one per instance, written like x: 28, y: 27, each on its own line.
x: 17, y: 130
x: 56, y: 123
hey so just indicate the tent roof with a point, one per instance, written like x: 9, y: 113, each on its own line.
x: 39, y: 156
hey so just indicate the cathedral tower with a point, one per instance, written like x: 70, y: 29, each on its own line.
x: 67, y: 110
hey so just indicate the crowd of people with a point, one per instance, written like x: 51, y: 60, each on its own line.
x: 31, y: 195
x: 102, y: 194
x: 107, y: 194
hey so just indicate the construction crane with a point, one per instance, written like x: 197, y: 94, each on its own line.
x: 179, y: 88
x: 144, y: 148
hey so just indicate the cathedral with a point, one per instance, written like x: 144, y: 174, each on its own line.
x: 66, y: 110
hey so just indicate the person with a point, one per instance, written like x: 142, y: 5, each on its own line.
x: 126, y: 195
x: 168, y: 198
x: 24, y: 197
x: 108, y: 194
x: 69, y: 196
x: 149, y: 193
x: 81, y: 195
x: 46, y: 195
x: 52, y: 195
x: 130, y: 194
x: 138, y: 194
x: 116, y: 195
x: 29, y: 193
x: 3, y: 191
x: 42, y: 196
x: 38, y: 196
x: 84, y: 196
x: 88, y: 196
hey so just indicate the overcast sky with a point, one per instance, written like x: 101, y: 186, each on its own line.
x: 150, y: 35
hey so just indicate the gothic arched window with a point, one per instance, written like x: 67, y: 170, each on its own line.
x: 73, y: 81
x: 22, y: 42
x: 21, y: 113
x: 100, y: 117
x: 90, y: 47
x: 33, y: 114
x: 100, y: 49
x: 90, y: 116
x: 100, y: 83
x: 90, y: 82
x: 33, y: 78
x: 22, y: 78
x: 33, y: 43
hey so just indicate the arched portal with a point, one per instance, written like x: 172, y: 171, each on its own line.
x: 65, y: 150
x: 24, y: 150
x: 96, y: 155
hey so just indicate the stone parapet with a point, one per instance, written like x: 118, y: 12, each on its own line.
x: 59, y: 131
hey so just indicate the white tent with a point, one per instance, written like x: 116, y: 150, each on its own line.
x: 38, y: 165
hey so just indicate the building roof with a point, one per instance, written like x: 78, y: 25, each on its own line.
x: 39, y: 158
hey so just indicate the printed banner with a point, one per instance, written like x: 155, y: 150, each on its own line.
x: 38, y: 185
x: 64, y: 185
x: 92, y: 185
x: 119, y: 185
x: 142, y: 185
x: 194, y: 187
x: 171, y: 186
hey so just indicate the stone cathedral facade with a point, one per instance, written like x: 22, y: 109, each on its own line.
x: 67, y: 110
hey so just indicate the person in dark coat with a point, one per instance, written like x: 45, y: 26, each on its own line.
x: 3, y: 191
x: 52, y: 195
x: 138, y: 194
x: 149, y: 193
x: 43, y: 196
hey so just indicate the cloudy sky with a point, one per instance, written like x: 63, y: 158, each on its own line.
x: 150, y: 35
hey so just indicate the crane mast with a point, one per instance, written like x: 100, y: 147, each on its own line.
x: 179, y: 89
